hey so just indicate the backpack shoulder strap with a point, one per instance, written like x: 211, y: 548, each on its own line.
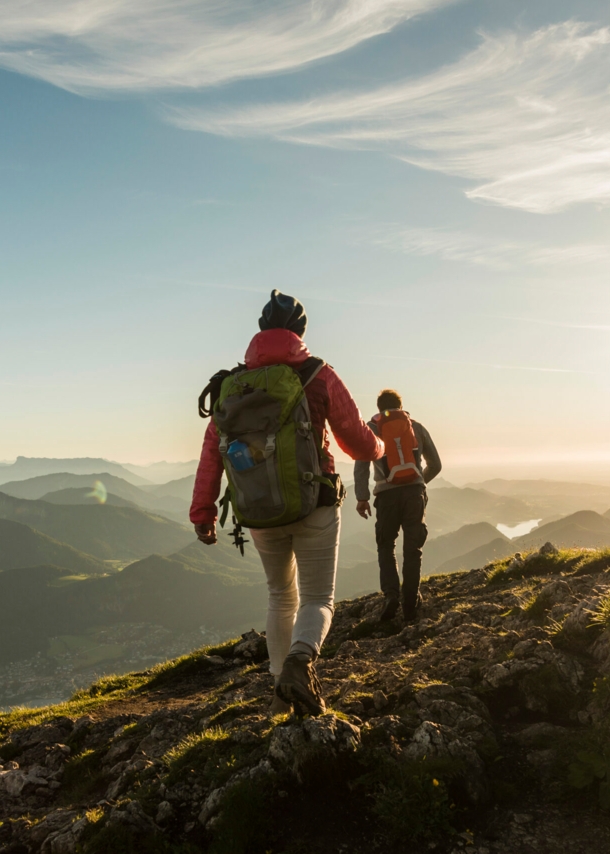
x: 212, y: 390
x: 309, y: 370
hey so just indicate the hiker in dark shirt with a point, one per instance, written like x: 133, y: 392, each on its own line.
x: 400, y: 501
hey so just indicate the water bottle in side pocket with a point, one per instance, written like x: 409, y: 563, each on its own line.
x: 239, y: 455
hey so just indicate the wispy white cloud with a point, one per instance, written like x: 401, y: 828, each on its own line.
x: 486, y: 252
x: 525, y: 117
x: 93, y: 46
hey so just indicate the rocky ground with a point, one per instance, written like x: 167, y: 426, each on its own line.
x: 480, y: 729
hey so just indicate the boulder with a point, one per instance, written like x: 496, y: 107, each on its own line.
x: 252, y: 646
x: 289, y: 744
x: 436, y: 741
x: 165, y: 812
x: 54, y: 822
x: 132, y: 815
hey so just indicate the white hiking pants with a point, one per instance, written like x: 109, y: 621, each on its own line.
x: 300, y: 562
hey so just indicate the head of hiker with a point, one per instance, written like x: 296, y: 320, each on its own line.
x: 389, y: 399
x: 269, y: 434
x: 283, y: 312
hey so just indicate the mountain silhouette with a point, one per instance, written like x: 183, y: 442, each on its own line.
x: 37, y: 487
x: 484, y: 554
x: 586, y: 528
x: 181, y: 592
x: 105, y: 531
x: 449, y: 546
x: 180, y: 488
x: 83, y: 495
x: 549, y: 496
x: 24, y: 547
x: 166, y: 504
x: 27, y: 467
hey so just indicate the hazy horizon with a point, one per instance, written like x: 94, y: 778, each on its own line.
x: 593, y: 472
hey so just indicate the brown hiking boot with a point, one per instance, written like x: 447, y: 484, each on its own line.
x: 390, y: 607
x: 410, y: 613
x: 299, y: 685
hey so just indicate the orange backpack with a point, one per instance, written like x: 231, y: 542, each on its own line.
x: 395, y: 428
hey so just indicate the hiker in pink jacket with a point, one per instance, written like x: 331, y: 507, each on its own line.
x: 299, y: 559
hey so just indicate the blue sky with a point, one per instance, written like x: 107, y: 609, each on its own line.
x: 430, y: 177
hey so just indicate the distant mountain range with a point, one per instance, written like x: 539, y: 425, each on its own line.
x: 584, y: 529
x: 26, y: 467
x: 181, y: 592
x: 21, y: 546
x: 37, y: 487
x: 84, y: 495
x: 172, y: 499
x: 180, y: 488
x: 163, y: 471
x: 466, y: 539
x: 452, y: 507
x: 105, y: 531
x: 499, y: 547
x: 551, y: 497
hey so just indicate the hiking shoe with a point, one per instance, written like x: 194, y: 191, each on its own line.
x: 388, y: 612
x: 410, y: 613
x: 299, y: 685
x: 279, y: 707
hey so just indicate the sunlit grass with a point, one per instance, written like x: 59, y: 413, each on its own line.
x: 601, y: 617
x: 576, y: 561
x: 178, y: 755
x: 110, y: 688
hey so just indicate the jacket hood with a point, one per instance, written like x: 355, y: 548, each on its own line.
x: 276, y: 347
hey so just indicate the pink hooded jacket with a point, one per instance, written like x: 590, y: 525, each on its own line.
x: 329, y: 401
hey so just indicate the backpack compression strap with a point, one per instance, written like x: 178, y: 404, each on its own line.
x: 213, y: 390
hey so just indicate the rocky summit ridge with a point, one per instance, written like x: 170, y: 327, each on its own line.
x: 482, y: 728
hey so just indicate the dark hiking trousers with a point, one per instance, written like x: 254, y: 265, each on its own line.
x: 403, y: 507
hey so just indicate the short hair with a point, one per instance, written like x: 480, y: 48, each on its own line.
x: 389, y: 399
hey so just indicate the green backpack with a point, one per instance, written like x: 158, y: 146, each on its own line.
x: 265, y: 413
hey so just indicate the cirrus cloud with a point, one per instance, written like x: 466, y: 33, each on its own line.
x: 100, y: 46
x: 525, y: 117
x: 495, y: 254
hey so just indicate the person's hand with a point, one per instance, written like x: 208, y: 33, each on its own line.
x: 364, y: 509
x: 206, y: 534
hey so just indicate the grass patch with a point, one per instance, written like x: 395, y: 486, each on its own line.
x: 224, y: 649
x: 601, y: 617
x: 232, y: 711
x: 210, y: 755
x: 576, y: 561
x: 536, y: 608
x: 189, y: 666
x: 81, y: 703
x: 596, y: 560
x: 110, y: 688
